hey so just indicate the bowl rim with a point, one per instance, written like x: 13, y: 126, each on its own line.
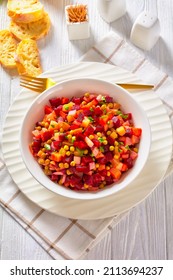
x: 65, y: 191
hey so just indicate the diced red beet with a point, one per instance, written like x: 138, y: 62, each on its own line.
x: 128, y: 162
x: 96, y: 143
x: 108, y: 99
x: 129, y: 132
x: 74, y: 179
x: 35, y: 150
x: 95, y: 119
x: 97, y: 178
x: 98, y: 111
x: 47, y: 109
x: 103, y: 172
x: 108, y: 156
x: 47, y: 135
x: 89, y: 130
x: 36, y: 143
x: 87, y: 112
x: 88, y: 179
x: 99, y: 128
x: 76, y: 107
x: 74, y: 126
x: 54, y: 177
x: 56, y: 145
x: 62, y: 137
x: 129, y: 116
x: 79, y: 186
x: 68, y: 159
x: 64, y: 100
x: 82, y: 168
x: 116, y: 122
x: 109, y: 180
x: 80, y: 144
x: 58, y: 109
x: 106, y: 148
x: 87, y: 159
x: 80, y: 117
x: 102, y: 160
x: 76, y: 100
x: 80, y: 137
x: 55, y: 102
x: 110, y: 140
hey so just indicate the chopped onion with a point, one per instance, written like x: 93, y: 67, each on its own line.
x: 77, y: 159
x: 89, y: 142
x: 72, y: 112
x: 99, y: 97
x: 95, y: 151
x: 63, y: 179
x: 92, y: 165
x: 58, y: 173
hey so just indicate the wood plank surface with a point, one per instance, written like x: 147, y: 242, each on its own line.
x: 147, y: 231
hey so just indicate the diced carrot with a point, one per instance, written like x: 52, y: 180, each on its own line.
x: 124, y: 167
x: 113, y: 135
x: 55, y: 156
x: 70, y: 118
x: 137, y: 131
x: 103, y: 120
x: 85, y: 122
x: 48, y: 109
x: 63, y: 115
x: 101, y: 167
x: 115, y: 173
x: 94, y: 102
x: 63, y: 125
x: 49, y: 117
x: 100, y: 155
x: 76, y: 131
x: 135, y: 139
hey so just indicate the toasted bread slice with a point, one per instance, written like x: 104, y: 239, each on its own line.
x: 27, y: 58
x: 33, y: 30
x: 7, y: 49
x: 25, y: 10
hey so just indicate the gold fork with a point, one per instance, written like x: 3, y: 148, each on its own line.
x: 41, y: 84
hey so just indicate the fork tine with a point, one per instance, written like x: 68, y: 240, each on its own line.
x: 32, y: 83
x: 29, y: 78
x: 34, y: 88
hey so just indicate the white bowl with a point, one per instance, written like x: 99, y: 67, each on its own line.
x: 77, y: 87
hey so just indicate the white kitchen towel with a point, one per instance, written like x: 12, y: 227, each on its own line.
x: 65, y: 238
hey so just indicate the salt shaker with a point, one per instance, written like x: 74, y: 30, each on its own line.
x: 145, y: 31
x: 111, y: 10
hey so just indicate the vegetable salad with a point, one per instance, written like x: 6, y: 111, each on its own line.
x: 85, y: 143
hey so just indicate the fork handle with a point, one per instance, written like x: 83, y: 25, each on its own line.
x: 50, y: 83
x: 135, y: 86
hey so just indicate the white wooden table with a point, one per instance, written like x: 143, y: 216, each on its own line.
x: 147, y: 231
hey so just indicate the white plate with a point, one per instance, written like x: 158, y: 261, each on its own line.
x: 144, y: 184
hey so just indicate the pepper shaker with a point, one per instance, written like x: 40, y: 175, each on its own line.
x: 111, y: 10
